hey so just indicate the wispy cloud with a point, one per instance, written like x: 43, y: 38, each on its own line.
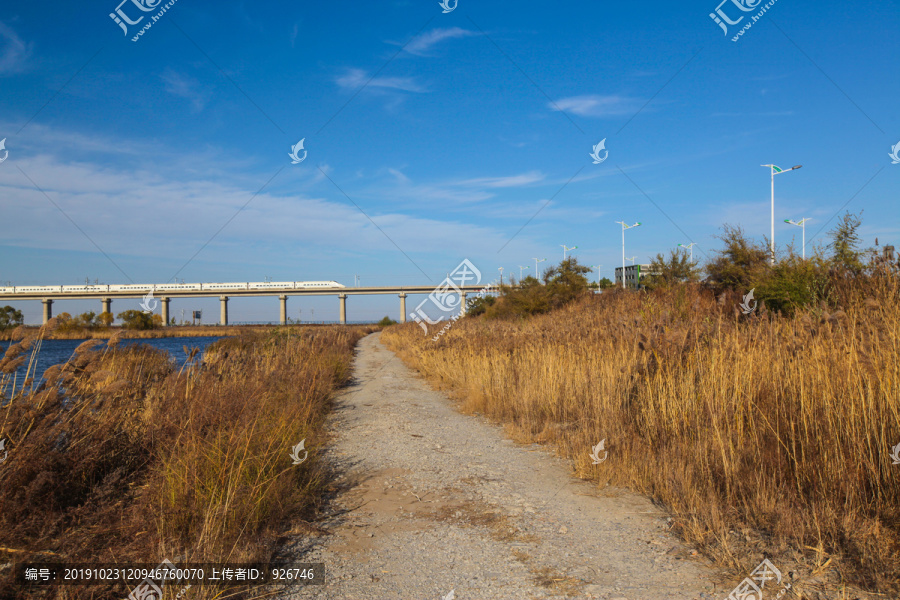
x: 356, y: 78
x: 179, y: 212
x: 453, y: 195
x: 294, y: 32
x: 14, y: 53
x: 783, y: 113
x: 185, y: 87
x: 593, y: 105
x: 520, y: 180
x: 421, y: 45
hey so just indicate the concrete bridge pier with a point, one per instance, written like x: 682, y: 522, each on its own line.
x: 223, y: 310
x: 107, y: 304
x: 343, y: 298
x: 283, y: 315
x: 48, y: 309
x: 462, y: 304
x: 164, y: 302
x: 403, y: 308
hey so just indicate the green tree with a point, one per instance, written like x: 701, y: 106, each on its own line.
x: 606, y: 283
x: 562, y: 284
x: 677, y: 269
x: 479, y: 305
x: 566, y: 281
x: 386, y: 321
x: 87, y: 320
x: 845, y: 243
x: 794, y: 282
x: 65, y: 322
x: 740, y: 264
x: 135, y: 319
x: 10, y: 317
x: 529, y: 298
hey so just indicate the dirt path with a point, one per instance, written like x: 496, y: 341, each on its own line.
x: 433, y: 501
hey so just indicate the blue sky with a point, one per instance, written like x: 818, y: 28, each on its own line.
x: 431, y: 137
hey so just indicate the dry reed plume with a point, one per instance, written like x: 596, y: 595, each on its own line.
x: 761, y: 434
x: 124, y: 456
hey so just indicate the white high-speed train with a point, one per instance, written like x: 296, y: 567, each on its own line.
x: 170, y: 287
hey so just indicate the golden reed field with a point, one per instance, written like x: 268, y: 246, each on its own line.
x: 762, y: 434
x: 125, y: 456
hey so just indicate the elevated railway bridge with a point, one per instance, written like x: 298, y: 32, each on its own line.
x: 164, y: 293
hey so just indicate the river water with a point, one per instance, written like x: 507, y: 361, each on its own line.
x: 54, y: 352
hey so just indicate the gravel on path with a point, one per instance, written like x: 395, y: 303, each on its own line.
x: 437, y: 505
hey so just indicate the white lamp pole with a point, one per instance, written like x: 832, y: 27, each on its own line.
x: 691, y: 248
x: 536, y: 261
x: 521, y: 268
x: 501, y: 276
x: 565, y: 248
x: 775, y: 170
x: 624, y: 227
x: 598, y: 272
x: 802, y: 224
x: 631, y: 258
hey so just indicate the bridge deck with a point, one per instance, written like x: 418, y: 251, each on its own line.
x: 233, y: 292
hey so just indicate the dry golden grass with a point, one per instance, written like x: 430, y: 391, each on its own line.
x: 760, y: 434
x: 123, y: 458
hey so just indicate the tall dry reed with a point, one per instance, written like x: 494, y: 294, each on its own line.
x: 125, y: 456
x: 761, y: 434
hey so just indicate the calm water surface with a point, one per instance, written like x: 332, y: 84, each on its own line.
x: 54, y: 352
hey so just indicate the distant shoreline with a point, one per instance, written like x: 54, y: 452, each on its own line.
x: 162, y: 332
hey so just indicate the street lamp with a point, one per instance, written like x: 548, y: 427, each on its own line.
x: 775, y: 171
x: 631, y: 258
x: 598, y: 272
x: 536, y: 261
x: 565, y: 248
x: 501, y: 275
x: 801, y: 223
x: 691, y: 248
x: 521, y: 268
x: 624, y: 227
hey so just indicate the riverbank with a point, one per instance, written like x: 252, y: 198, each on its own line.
x: 123, y: 456
x: 171, y: 331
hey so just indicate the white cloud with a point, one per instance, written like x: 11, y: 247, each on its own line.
x: 354, y: 79
x: 14, y: 53
x: 520, y: 180
x: 421, y: 45
x: 452, y: 194
x: 185, y: 87
x: 594, y: 105
x: 168, y: 213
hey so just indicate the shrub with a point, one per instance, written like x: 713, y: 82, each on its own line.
x: 135, y: 319
x: 793, y: 283
x: 562, y: 284
x: 386, y: 321
x: 740, y: 265
x: 479, y: 305
x: 677, y: 269
x: 10, y: 317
